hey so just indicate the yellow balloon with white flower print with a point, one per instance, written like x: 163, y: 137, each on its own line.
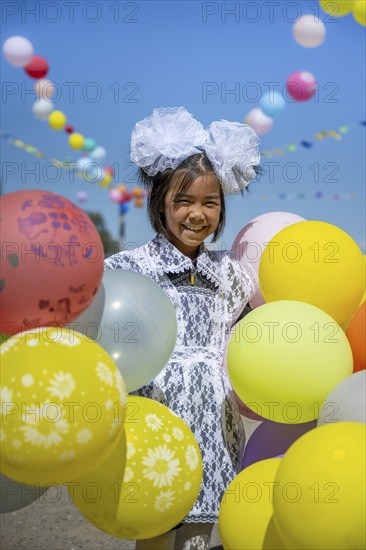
x: 62, y: 405
x: 162, y: 477
x: 96, y: 493
x: 163, y: 473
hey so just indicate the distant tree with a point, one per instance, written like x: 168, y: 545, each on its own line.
x: 110, y: 246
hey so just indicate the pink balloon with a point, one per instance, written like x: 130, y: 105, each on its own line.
x: 301, y: 85
x: 44, y: 88
x: 260, y: 122
x: 109, y: 170
x: 251, y: 240
x: 115, y: 195
x: 52, y: 261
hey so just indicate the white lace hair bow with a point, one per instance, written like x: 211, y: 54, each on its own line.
x: 169, y: 136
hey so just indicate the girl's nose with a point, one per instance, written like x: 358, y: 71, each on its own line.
x: 196, y: 212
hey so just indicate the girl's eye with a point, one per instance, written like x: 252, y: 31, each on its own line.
x: 187, y: 201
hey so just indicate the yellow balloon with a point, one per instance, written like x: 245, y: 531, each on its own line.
x: 317, y: 263
x: 164, y: 466
x: 162, y: 477
x: 319, y: 491
x: 96, y: 493
x: 337, y: 8
x: 285, y: 357
x: 62, y: 401
x: 76, y: 141
x: 359, y: 11
x: 106, y: 180
x: 57, y: 120
x: 246, y: 509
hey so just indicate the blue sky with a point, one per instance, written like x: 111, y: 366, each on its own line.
x: 114, y: 62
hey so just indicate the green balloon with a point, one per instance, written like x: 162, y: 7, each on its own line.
x: 89, y: 144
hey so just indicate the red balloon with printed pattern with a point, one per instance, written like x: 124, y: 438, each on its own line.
x: 51, y: 263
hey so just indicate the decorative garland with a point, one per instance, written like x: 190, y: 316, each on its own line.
x: 309, y: 143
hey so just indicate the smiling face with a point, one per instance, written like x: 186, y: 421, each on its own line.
x: 191, y: 216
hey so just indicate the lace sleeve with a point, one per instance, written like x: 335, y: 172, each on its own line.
x: 123, y: 260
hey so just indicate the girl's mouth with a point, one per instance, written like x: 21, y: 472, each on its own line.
x: 194, y: 228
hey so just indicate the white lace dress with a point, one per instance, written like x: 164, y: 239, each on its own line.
x: 193, y: 383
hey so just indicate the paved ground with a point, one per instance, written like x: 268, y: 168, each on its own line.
x: 46, y: 524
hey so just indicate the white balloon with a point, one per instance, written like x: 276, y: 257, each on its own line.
x: 260, y: 122
x: 308, y: 31
x: 99, y: 153
x: 44, y: 88
x: 346, y: 402
x: 90, y: 169
x: 18, y: 51
x: 42, y: 109
x: 82, y: 163
x: 135, y: 322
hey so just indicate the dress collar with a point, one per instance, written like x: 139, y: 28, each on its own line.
x: 168, y: 259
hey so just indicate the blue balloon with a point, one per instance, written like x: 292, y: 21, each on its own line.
x: 272, y: 103
x: 124, y: 208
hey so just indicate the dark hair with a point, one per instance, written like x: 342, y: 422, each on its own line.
x: 259, y: 172
x: 157, y: 187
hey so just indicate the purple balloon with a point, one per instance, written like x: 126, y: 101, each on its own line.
x: 272, y: 439
x: 82, y: 196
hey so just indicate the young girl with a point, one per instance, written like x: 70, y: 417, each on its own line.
x: 187, y: 170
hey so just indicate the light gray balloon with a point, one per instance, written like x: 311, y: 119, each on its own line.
x: 15, y: 495
x: 135, y: 322
x: 89, y: 321
x: 346, y: 402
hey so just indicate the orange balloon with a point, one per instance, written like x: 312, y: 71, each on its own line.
x: 356, y: 337
x: 137, y: 192
x: 121, y: 188
x: 139, y: 203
